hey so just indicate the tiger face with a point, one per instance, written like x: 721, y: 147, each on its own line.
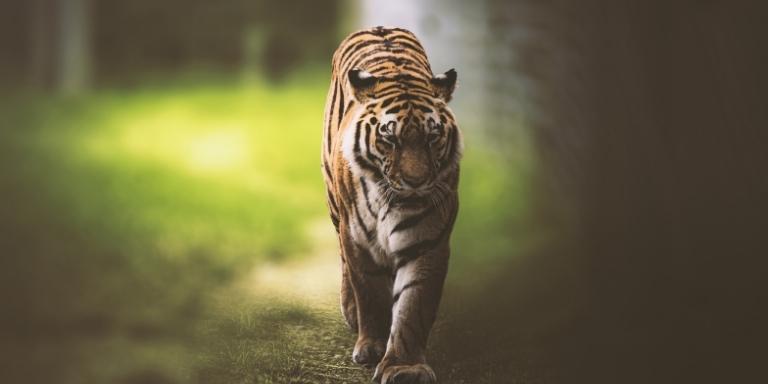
x: 407, y: 141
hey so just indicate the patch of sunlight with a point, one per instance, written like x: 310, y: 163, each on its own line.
x: 200, y: 146
x: 229, y: 137
x: 217, y: 151
x: 314, y: 280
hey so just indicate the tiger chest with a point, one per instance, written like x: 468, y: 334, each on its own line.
x: 384, y: 227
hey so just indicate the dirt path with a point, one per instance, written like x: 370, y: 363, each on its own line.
x: 281, y: 323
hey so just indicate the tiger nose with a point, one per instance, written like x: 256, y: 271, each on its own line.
x: 414, y: 165
x: 415, y: 176
x: 413, y: 182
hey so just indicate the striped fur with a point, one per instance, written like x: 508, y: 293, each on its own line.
x: 390, y: 158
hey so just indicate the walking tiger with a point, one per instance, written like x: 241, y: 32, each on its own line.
x: 390, y: 159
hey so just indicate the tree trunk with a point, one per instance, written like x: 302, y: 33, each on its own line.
x: 73, y: 46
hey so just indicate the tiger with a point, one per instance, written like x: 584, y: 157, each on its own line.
x: 390, y: 160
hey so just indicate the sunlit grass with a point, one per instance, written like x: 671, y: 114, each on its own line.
x: 230, y: 170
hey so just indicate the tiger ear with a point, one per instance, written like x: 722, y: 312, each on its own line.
x: 362, y: 83
x: 444, y: 84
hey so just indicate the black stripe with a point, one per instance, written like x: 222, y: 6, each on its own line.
x: 401, y: 62
x: 389, y: 208
x: 419, y: 53
x: 412, y: 95
x: 413, y: 251
x: 452, y: 149
x: 335, y: 220
x: 409, y: 37
x: 407, y: 286
x: 368, y: 233
x: 375, y: 58
x: 334, y: 207
x: 447, y: 150
x: 363, y: 163
x: 387, y: 102
x: 409, y: 78
x: 357, y: 137
x: 341, y: 107
x: 387, y: 88
x: 363, y: 32
x: 426, y: 72
x: 381, y: 31
x: 360, y: 160
x: 360, y: 53
x: 411, y: 41
x: 368, y: 153
x: 412, y: 221
x: 374, y: 63
x: 365, y: 196
x: 368, y: 139
x: 353, y: 47
x: 423, y: 108
x: 327, y: 170
x: 330, y: 114
x: 359, y: 33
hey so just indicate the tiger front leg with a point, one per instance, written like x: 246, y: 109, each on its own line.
x: 416, y: 296
x: 348, y: 301
x: 373, y: 302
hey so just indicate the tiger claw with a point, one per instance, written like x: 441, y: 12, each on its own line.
x: 368, y: 352
x: 404, y: 374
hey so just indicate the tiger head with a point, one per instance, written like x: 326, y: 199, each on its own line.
x: 406, y: 137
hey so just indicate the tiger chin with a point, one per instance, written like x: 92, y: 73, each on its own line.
x: 390, y: 159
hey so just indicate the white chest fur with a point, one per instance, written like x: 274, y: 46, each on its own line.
x: 376, y: 228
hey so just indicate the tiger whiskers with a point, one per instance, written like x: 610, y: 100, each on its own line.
x: 387, y: 193
x: 442, y: 193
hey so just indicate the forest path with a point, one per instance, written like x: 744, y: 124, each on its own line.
x: 288, y: 326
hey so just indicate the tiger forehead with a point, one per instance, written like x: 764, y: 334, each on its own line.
x: 401, y: 110
x: 404, y: 102
x: 405, y: 119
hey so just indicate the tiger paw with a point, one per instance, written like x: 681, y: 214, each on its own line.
x: 368, y: 351
x: 402, y: 374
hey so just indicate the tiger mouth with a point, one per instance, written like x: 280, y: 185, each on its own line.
x: 410, y: 200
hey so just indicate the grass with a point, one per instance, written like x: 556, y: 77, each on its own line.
x: 131, y: 218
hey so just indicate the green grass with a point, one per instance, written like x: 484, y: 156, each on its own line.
x: 225, y: 169
x: 128, y: 213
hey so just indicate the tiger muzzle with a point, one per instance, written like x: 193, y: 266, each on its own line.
x: 415, y: 169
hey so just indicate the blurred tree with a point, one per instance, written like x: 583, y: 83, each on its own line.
x: 654, y: 113
x: 225, y: 35
x: 298, y: 31
x: 73, y: 46
x: 41, y: 49
x: 59, y: 52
